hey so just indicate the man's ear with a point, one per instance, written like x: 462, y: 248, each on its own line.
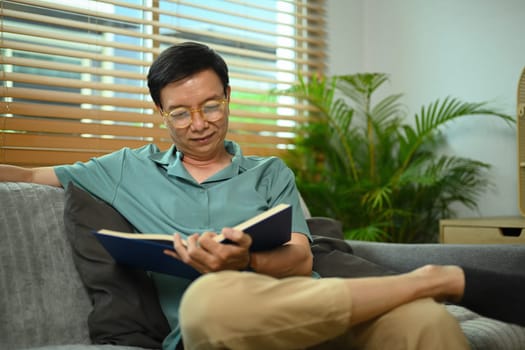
x: 159, y: 110
x: 228, y: 92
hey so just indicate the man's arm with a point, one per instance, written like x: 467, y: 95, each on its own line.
x: 41, y: 175
x: 206, y: 255
x: 292, y: 259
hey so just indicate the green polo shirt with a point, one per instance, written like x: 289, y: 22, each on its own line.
x: 156, y: 194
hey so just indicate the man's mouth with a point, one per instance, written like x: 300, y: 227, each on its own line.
x: 202, y: 139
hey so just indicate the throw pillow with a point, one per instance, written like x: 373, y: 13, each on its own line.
x: 126, y: 309
x: 333, y: 255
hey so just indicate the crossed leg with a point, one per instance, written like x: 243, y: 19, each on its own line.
x: 242, y: 310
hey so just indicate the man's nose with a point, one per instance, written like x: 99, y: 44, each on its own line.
x: 198, y: 120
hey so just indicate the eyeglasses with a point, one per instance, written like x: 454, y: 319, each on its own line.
x: 211, y: 110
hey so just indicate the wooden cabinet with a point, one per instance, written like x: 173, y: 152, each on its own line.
x: 496, y: 230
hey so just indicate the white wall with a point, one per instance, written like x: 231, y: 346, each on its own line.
x: 470, y: 49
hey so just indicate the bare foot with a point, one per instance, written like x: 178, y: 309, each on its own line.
x: 445, y: 282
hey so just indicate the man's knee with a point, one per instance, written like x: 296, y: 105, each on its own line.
x: 210, y: 306
x: 423, y: 316
x: 206, y: 300
x: 422, y: 324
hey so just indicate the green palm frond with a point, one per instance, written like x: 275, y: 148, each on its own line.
x: 438, y: 113
x: 388, y: 111
x: 367, y: 233
x: 378, y: 199
x: 359, y: 87
x: 381, y: 176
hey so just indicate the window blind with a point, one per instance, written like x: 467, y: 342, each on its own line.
x: 74, y: 73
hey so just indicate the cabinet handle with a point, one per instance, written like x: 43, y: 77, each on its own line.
x: 511, y: 231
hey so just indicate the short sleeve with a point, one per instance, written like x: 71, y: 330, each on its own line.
x: 100, y: 176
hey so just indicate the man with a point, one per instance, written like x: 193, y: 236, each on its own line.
x: 204, y: 185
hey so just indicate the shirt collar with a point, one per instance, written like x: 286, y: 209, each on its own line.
x: 171, y: 160
x: 167, y: 157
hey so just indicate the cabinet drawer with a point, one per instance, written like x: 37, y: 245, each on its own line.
x: 482, y: 235
x: 483, y: 231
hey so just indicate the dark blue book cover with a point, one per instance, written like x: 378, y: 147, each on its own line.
x: 268, y: 230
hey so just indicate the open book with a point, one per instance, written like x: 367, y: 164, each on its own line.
x: 268, y: 230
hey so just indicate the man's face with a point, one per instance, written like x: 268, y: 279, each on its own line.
x: 202, y: 139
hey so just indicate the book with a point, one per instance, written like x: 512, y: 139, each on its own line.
x: 268, y: 230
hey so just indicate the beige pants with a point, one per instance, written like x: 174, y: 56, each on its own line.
x: 243, y: 310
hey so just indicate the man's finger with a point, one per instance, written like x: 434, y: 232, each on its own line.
x: 180, y: 246
x: 239, y: 237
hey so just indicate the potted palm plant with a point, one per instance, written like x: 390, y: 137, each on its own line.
x: 361, y: 162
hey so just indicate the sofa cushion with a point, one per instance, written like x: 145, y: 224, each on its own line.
x: 485, y: 333
x: 87, y: 347
x: 333, y: 256
x: 325, y: 227
x: 42, y: 299
x: 126, y: 310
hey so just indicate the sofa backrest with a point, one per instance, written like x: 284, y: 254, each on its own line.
x: 42, y: 299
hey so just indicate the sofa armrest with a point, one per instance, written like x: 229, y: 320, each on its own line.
x: 403, y: 257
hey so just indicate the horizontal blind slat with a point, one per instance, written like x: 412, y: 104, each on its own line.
x: 27, y: 62
x: 95, y: 144
x: 40, y: 157
x: 69, y: 52
x: 74, y: 98
x: 50, y: 130
x: 7, y: 44
x: 77, y: 98
x: 68, y: 142
x: 73, y: 83
x: 64, y: 112
x: 58, y: 126
x: 132, y: 33
x: 74, y: 78
x: 109, y: 72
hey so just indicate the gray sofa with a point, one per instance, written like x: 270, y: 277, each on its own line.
x: 43, y: 303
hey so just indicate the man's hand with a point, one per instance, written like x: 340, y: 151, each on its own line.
x: 205, y: 254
